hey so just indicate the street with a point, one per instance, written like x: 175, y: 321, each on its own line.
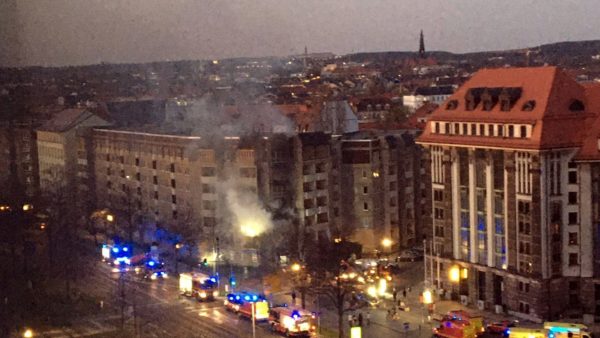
x: 157, y: 309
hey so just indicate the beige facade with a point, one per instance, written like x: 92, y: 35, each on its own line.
x: 174, y: 178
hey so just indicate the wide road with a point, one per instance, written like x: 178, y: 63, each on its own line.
x: 157, y: 309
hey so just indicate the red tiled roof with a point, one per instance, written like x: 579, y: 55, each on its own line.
x: 424, y: 112
x: 554, y: 125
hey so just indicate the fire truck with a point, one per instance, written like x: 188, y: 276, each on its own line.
x: 198, y: 285
x: 551, y: 330
x: 459, y: 324
x: 118, y: 256
x: 242, y: 304
x: 291, y: 322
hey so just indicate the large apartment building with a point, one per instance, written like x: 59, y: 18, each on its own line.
x: 381, y: 189
x: 175, y: 178
x: 18, y: 148
x: 514, y: 207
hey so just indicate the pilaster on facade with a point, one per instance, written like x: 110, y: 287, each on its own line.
x: 473, y: 242
x: 455, y: 187
x: 489, y: 207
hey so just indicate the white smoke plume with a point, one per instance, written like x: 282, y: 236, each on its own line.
x: 249, y: 217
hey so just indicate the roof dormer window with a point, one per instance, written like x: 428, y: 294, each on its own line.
x: 576, y: 105
x: 528, y: 106
x: 452, y: 105
x: 473, y: 97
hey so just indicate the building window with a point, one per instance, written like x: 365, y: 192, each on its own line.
x: 153, y: 164
x: 437, y: 127
x: 174, y: 214
x: 174, y: 199
x: 122, y: 159
x: 137, y: 162
x: 122, y: 173
x: 156, y: 195
x: 573, y: 218
x: 524, y: 228
x: 109, y: 184
x: 573, y: 259
x: 108, y: 171
x: 155, y: 179
x: 173, y: 183
x: 366, y: 206
x: 500, y: 130
x: 207, y: 189
x: 511, y: 131
x: 439, y: 231
x: 572, y: 238
x: 139, y: 190
x: 208, y: 171
x: 523, y: 307
x: 481, y: 130
x: 365, y: 190
x: 473, y: 129
x: 523, y: 131
x: 172, y: 167
x: 438, y: 213
x: 438, y: 195
x: 107, y: 157
x: 572, y: 177
x: 490, y: 130
x: 464, y: 129
x: 572, y: 197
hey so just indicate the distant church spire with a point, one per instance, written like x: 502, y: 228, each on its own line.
x: 421, y: 45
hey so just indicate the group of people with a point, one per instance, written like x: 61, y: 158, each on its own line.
x: 354, y: 320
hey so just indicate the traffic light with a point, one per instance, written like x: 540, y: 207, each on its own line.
x: 204, y: 262
x: 232, y: 281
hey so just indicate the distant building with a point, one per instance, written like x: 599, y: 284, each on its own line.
x: 65, y: 152
x: 337, y: 117
x: 22, y: 136
x: 436, y: 94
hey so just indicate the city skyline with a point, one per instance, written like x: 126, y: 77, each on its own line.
x: 66, y: 32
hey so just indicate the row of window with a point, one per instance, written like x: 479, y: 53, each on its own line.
x: 482, y: 129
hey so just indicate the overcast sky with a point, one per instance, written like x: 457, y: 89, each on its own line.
x: 66, y: 32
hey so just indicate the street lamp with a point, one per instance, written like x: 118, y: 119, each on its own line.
x: 110, y: 218
x: 27, y: 207
x: 28, y: 333
x: 296, y: 267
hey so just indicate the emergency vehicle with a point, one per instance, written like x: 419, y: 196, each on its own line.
x: 242, y: 303
x: 153, y: 270
x: 198, y: 285
x: 459, y: 324
x: 291, y: 322
x: 116, y: 255
x: 551, y: 330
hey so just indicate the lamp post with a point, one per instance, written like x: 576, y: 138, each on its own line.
x: 177, y: 247
x: 386, y: 243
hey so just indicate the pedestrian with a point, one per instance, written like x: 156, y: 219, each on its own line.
x: 368, y: 318
x: 395, y: 294
x: 360, y: 319
x: 350, y: 319
x: 404, y: 293
x: 294, y: 297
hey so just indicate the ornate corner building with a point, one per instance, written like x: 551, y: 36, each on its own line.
x: 514, y: 164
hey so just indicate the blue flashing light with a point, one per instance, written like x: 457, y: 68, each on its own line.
x: 213, y: 279
x: 507, y: 332
x: 295, y: 314
x: 254, y: 297
x: 237, y: 297
x: 246, y: 297
x: 151, y: 263
x: 230, y: 297
x: 125, y: 249
x: 448, y: 324
x: 115, y: 249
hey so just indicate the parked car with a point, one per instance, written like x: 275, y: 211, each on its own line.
x: 409, y: 256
